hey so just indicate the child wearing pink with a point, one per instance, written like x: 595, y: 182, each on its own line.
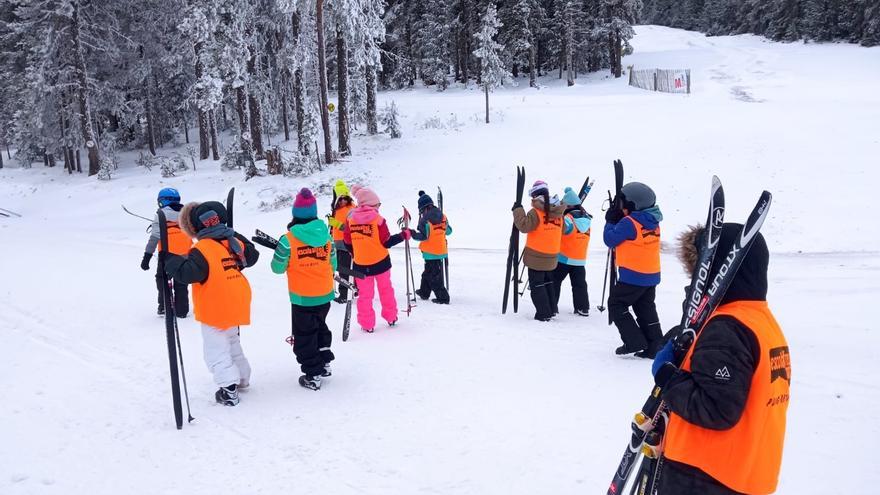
x: 368, y: 239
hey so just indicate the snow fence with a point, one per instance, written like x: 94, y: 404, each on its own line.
x: 665, y: 80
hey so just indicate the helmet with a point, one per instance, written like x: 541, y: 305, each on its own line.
x: 168, y: 196
x: 637, y: 196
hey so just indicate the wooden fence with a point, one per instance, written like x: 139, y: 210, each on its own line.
x: 665, y: 80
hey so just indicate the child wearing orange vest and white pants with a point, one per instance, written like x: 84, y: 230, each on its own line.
x: 367, y: 237
x: 573, y: 252
x: 633, y: 230
x: 432, y: 230
x: 344, y: 205
x: 306, y: 254
x: 543, y: 224
x: 729, y: 400
x: 221, y: 293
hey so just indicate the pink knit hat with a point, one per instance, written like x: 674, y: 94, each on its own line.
x: 364, y: 195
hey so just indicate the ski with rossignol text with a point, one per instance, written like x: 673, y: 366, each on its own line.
x: 702, y: 299
x: 512, y: 272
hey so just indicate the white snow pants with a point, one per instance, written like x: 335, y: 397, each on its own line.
x: 224, y: 356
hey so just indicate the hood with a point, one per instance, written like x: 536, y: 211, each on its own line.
x: 432, y: 215
x: 649, y: 218
x: 185, y: 219
x: 556, y: 211
x: 582, y: 223
x: 750, y: 282
x: 313, y: 233
x: 364, y: 214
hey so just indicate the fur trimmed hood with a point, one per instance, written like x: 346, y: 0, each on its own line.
x: 185, y: 219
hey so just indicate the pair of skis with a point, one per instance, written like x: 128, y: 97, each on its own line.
x: 8, y: 213
x: 708, y: 285
x: 410, y: 277
x: 513, y: 258
x: 263, y: 239
x: 446, y: 259
x: 610, y: 277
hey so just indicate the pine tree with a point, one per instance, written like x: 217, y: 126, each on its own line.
x: 492, y: 70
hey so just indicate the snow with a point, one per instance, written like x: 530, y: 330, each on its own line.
x: 457, y: 399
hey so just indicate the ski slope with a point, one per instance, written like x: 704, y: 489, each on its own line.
x: 458, y: 399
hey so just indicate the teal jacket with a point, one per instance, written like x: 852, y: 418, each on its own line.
x: 314, y: 234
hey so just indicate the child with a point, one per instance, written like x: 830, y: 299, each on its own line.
x: 632, y: 228
x: 433, y: 228
x: 221, y: 293
x: 307, y: 255
x: 178, y: 243
x: 543, y: 224
x: 573, y: 252
x: 367, y: 237
x: 344, y: 205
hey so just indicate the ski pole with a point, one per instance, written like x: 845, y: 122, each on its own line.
x: 601, y: 308
x: 183, y: 374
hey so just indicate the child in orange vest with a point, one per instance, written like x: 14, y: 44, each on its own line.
x: 178, y: 243
x: 433, y: 228
x: 367, y: 237
x: 543, y: 224
x: 344, y: 205
x: 573, y: 252
x: 221, y: 293
x: 306, y: 254
x: 633, y: 230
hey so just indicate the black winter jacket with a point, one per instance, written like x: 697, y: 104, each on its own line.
x: 193, y: 269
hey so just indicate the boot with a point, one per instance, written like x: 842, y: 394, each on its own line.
x: 161, y: 310
x: 442, y: 297
x: 423, y: 294
x: 310, y: 382
x: 228, y: 396
x: 582, y: 312
x: 327, y: 371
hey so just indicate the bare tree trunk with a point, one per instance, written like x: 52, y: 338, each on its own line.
x: 151, y: 138
x: 569, y: 48
x: 618, y: 56
x: 83, y: 96
x: 533, y: 80
x: 285, y: 82
x: 244, y: 127
x: 299, y: 98
x: 256, y: 117
x: 78, y: 163
x: 212, y: 131
x: 185, y: 126
x: 486, y: 89
x: 342, y: 90
x: 204, y: 131
x: 322, y: 81
x: 1, y: 160
x: 372, y: 120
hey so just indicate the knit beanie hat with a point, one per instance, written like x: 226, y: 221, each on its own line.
x: 341, y: 189
x: 424, y: 200
x: 365, y: 196
x: 540, y: 187
x: 305, y: 205
x: 571, y: 198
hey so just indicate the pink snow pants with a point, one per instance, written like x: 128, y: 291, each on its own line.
x: 366, y: 317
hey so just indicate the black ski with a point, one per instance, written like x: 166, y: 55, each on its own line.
x: 445, y: 260
x: 171, y: 334
x: 352, y: 294
x: 10, y: 213
x: 230, y: 203
x: 611, y: 261
x: 585, y: 189
x: 512, y: 273
x: 702, y: 299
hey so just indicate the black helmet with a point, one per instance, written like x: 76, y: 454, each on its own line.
x: 637, y: 196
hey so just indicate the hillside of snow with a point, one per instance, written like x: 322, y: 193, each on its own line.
x: 457, y: 399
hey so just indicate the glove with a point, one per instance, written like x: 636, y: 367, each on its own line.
x: 145, y: 263
x: 614, y: 215
x: 406, y: 234
x: 664, y: 355
x: 516, y: 205
x: 334, y: 222
x: 664, y: 374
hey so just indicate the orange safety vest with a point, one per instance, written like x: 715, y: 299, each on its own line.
x: 747, y: 457
x: 547, y: 237
x: 224, y: 299
x: 641, y: 254
x: 340, y: 215
x: 178, y: 242
x: 436, y: 242
x: 368, y: 248
x: 310, y: 271
x: 575, y: 243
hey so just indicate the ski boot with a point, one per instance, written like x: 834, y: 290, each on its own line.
x: 366, y: 330
x: 161, y: 310
x: 392, y: 323
x: 582, y: 312
x: 228, y: 396
x: 327, y: 371
x: 310, y: 382
x: 423, y: 295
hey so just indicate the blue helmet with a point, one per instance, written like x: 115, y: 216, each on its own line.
x: 168, y: 196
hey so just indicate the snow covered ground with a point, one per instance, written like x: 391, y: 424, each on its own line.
x: 458, y: 399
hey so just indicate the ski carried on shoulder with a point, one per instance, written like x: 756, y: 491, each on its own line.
x: 611, y: 259
x: 175, y: 355
x: 230, y: 204
x: 706, y: 291
x: 513, y: 256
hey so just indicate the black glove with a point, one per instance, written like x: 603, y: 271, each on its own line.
x: 516, y: 205
x: 664, y: 374
x: 614, y: 215
x: 145, y: 263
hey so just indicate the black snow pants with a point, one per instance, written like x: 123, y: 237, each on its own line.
x: 543, y: 293
x: 181, y: 296
x: 432, y: 280
x: 311, y: 337
x: 646, y: 334
x: 578, y: 277
x: 681, y: 479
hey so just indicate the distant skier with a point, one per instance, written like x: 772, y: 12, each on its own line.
x: 573, y: 252
x: 730, y: 398
x: 344, y: 205
x: 543, y: 224
x: 306, y: 254
x: 633, y: 229
x: 178, y: 243
x: 367, y: 237
x: 221, y: 293
x: 432, y: 230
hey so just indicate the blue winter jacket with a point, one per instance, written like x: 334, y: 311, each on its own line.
x: 625, y: 230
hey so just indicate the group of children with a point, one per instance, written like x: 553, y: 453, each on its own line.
x: 558, y: 236
x: 309, y: 253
